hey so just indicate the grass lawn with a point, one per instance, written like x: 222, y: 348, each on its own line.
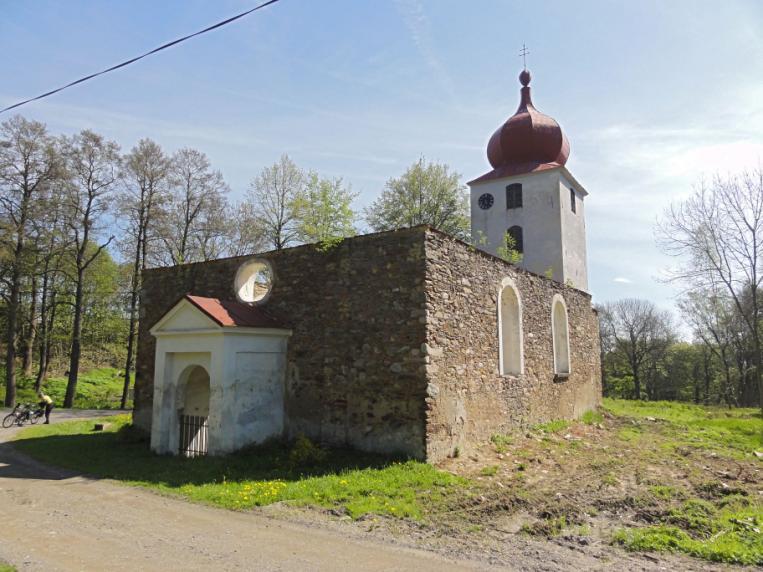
x: 351, y: 482
x: 99, y: 388
x: 715, y: 520
x: 659, y: 477
x: 729, y: 432
x: 6, y: 567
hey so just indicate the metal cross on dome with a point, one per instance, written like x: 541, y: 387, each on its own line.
x: 524, y: 53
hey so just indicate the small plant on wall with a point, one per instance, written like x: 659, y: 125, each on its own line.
x: 508, y: 250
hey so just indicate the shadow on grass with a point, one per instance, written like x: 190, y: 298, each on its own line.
x: 112, y: 455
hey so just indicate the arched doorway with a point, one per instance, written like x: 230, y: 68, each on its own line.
x: 194, y: 416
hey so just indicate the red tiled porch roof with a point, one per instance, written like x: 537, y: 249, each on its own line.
x: 228, y: 313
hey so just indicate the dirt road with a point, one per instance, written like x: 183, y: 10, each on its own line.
x: 55, y: 520
x: 52, y: 519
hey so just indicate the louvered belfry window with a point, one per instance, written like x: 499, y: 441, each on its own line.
x: 514, y: 196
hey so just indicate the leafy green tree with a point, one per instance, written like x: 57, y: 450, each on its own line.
x: 324, y: 210
x: 104, y: 325
x: 427, y: 193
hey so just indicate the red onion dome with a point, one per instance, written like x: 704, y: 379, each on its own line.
x: 528, y: 137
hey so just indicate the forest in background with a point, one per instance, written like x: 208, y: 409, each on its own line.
x: 80, y: 219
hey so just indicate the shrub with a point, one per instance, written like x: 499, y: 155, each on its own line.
x: 132, y: 434
x: 305, y: 453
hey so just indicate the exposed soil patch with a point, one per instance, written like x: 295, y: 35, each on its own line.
x: 577, y: 484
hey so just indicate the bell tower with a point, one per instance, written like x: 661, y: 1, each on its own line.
x: 531, y: 196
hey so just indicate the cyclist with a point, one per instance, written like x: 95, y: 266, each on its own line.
x: 47, y: 403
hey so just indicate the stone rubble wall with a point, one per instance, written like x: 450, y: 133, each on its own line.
x: 468, y: 400
x: 355, y: 374
x: 395, y: 342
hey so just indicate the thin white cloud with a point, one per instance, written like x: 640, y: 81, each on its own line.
x: 622, y: 280
x: 415, y: 19
x: 362, y: 157
x: 125, y: 126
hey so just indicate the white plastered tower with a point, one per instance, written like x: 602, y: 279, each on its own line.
x: 531, y: 195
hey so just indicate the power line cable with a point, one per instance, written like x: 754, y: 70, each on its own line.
x: 140, y: 57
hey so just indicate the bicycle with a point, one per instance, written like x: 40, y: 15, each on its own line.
x: 22, y: 413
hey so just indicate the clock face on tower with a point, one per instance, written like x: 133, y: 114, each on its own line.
x: 485, y: 201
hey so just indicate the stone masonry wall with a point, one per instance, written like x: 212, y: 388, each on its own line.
x: 355, y: 371
x: 468, y: 400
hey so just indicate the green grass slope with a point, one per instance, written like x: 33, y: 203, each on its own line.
x: 99, y: 388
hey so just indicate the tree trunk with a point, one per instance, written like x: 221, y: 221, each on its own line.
x: 13, y: 308
x: 49, y: 341
x: 133, y: 320
x: 10, y: 340
x: 28, y: 356
x: 706, y: 371
x: 758, y: 375
x: 43, y: 367
x: 727, y: 390
x: 71, y: 386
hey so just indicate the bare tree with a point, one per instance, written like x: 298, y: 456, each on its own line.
x: 28, y: 330
x: 710, y: 314
x: 273, y: 194
x: 93, y: 167
x: 192, y: 224
x: 607, y: 345
x: 146, y: 173
x: 54, y: 244
x: 246, y: 234
x: 642, y: 332
x: 717, y: 235
x: 28, y: 164
x: 215, y: 235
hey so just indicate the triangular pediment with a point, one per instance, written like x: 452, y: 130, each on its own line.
x: 184, y: 317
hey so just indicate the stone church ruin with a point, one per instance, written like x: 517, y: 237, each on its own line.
x: 408, y: 342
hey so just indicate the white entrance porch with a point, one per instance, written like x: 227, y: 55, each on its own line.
x: 218, y: 379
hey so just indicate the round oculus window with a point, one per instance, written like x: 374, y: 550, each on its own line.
x: 253, y: 282
x: 485, y: 201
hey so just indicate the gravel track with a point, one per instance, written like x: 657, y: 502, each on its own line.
x: 55, y: 519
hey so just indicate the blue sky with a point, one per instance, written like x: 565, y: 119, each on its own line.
x: 653, y: 95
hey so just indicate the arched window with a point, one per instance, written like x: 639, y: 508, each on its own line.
x: 515, y: 232
x: 511, y: 354
x: 560, y: 336
x: 514, y: 196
